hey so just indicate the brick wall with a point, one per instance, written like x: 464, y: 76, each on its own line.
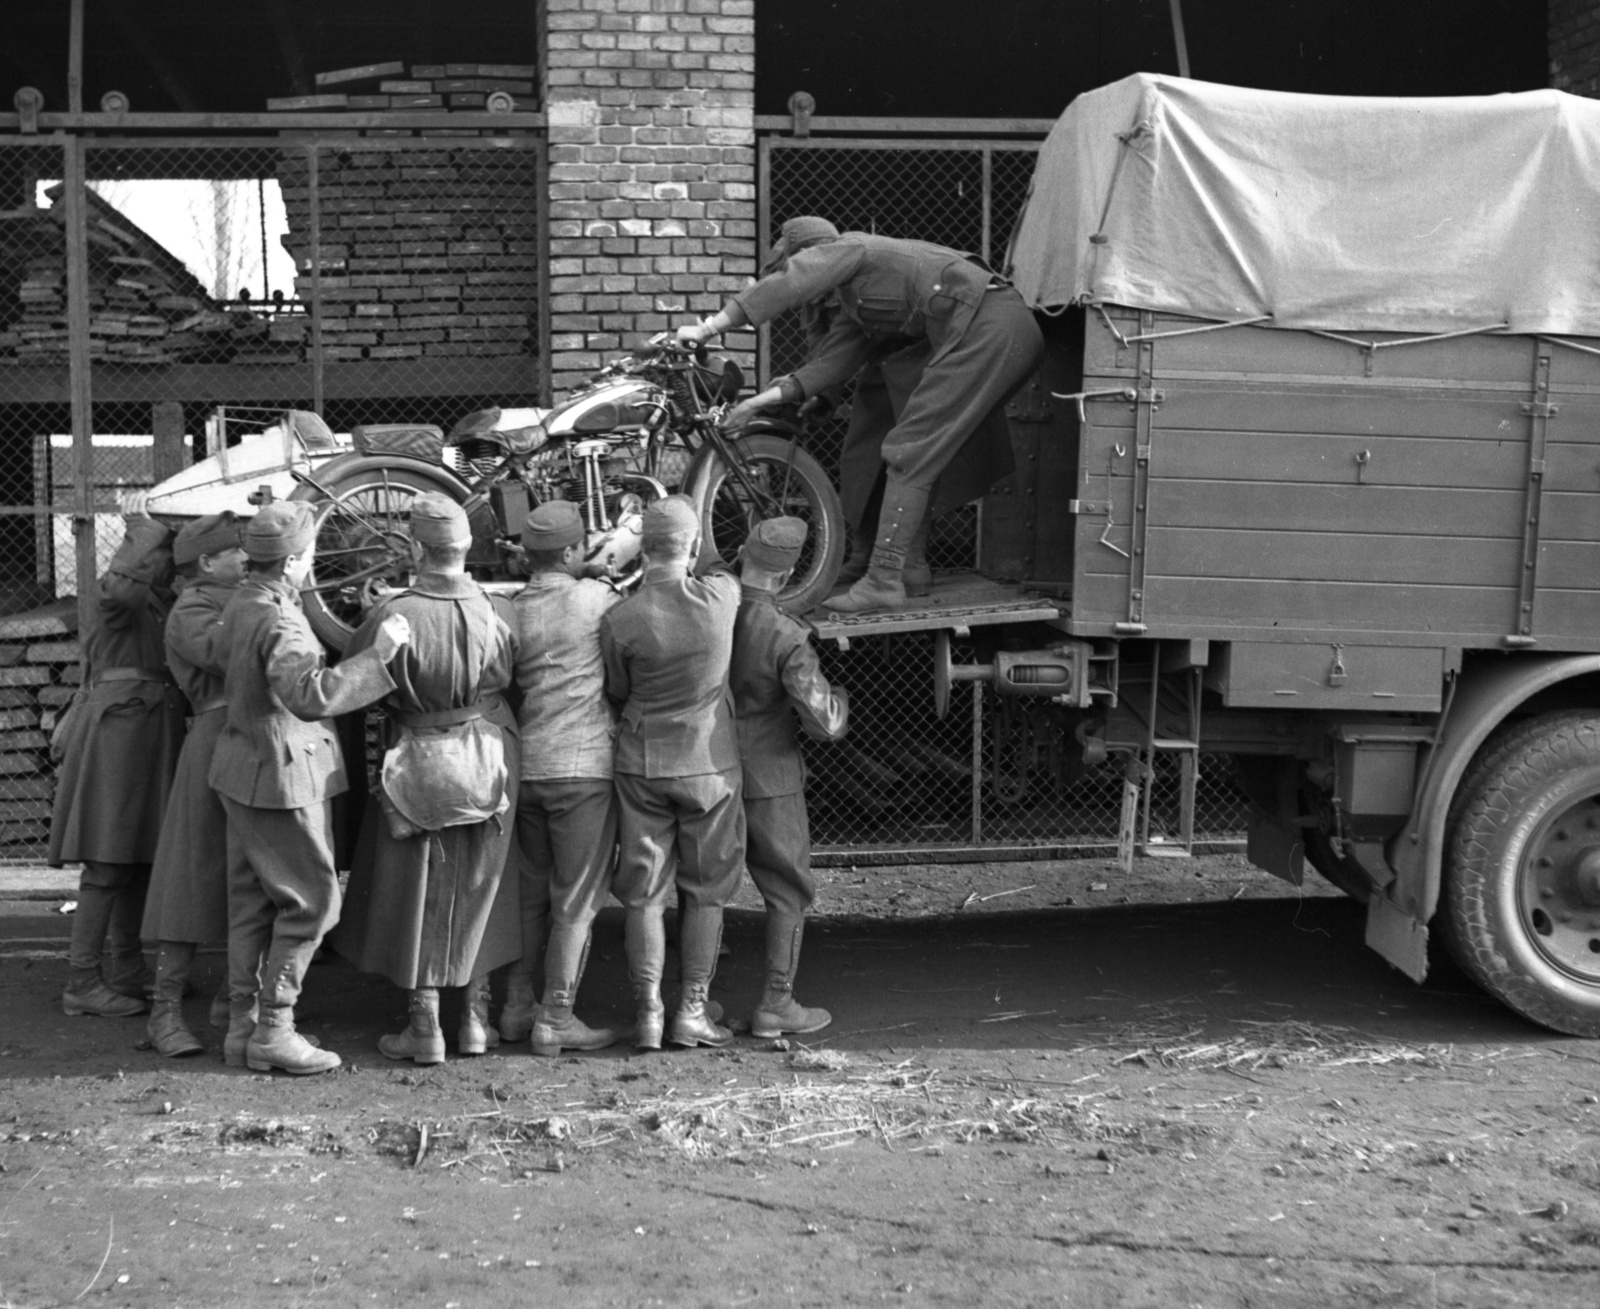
x: 652, y: 171
x: 1575, y: 46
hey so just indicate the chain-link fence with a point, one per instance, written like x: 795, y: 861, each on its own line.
x: 905, y: 777
x: 393, y: 277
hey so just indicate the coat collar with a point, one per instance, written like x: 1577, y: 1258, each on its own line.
x: 273, y: 586
x: 444, y: 586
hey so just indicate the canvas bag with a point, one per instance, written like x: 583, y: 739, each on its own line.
x: 446, y: 769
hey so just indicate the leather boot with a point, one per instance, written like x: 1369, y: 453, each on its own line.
x: 219, y: 1007
x: 241, y: 1027
x: 422, y: 1042
x: 883, y: 587
x: 517, y: 1013
x: 777, y: 1012
x: 87, y: 992
x: 275, y: 1044
x: 854, y: 567
x: 129, y: 974
x: 647, y: 956
x: 916, y: 576
x: 475, y: 1036
x: 700, y: 938
x: 557, y: 1027
x: 165, y: 1025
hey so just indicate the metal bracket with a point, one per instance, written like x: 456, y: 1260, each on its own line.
x: 29, y: 101
x: 1146, y: 397
x: 1539, y: 408
x: 1538, y: 411
x: 1031, y: 404
x: 1088, y: 506
x: 802, y: 104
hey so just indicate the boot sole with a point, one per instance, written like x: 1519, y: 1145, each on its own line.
x: 425, y: 1057
x: 772, y: 1033
x: 548, y: 1049
x: 79, y: 1011
x: 181, y: 1053
x: 266, y: 1066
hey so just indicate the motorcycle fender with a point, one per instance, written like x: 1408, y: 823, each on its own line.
x: 313, y: 484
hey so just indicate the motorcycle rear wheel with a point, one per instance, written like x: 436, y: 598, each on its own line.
x: 363, y: 538
x: 787, y: 481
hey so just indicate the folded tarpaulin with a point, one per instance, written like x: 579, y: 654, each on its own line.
x: 1339, y: 212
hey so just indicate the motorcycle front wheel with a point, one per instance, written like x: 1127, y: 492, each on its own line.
x: 363, y: 538
x: 774, y: 479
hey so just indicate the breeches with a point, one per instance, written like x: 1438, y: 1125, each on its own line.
x: 567, y: 842
x: 778, y: 851
x: 283, y: 896
x: 688, y: 830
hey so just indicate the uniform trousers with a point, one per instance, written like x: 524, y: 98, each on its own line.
x: 778, y: 852
x: 126, y: 886
x: 567, y: 839
x: 283, y: 896
x: 1000, y: 347
x: 688, y: 830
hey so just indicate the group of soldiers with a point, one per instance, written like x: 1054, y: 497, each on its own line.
x: 539, y: 755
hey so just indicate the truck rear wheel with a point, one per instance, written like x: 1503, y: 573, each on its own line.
x: 1523, y: 891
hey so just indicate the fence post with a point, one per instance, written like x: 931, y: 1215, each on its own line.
x: 314, y: 202
x: 80, y: 392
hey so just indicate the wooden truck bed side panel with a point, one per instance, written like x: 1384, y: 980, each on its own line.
x: 1291, y: 496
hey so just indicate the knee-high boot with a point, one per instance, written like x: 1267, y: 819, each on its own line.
x: 557, y: 1027
x: 647, y: 956
x: 777, y: 1011
x: 899, y: 522
x: 699, y: 939
x: 87, y: 992
x: 165, y: 1025
x: 522, y: 979
x: 130, y: 975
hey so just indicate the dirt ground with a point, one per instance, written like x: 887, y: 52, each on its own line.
x: 1045, y: 1084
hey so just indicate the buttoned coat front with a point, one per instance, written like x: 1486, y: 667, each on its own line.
x: 435, y: 909
x: 276, y: 751
x: 188, y: 899
x: 123, y: 742
x: 666, y: 650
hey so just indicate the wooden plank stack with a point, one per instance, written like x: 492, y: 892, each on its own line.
x: 39, y: 672
x: 433, y: 88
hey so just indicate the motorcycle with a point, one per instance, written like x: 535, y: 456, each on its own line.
x: 645, y: 426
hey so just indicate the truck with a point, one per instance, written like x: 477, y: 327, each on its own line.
x: 1310, y: 478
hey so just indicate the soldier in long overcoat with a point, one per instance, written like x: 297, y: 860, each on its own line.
x: 276, y: 767
x: 119, y: 752
x: 775, y: 677
x: 666, y: 651
x: 982, y: 342
x: 433, y: 909
x: 188, y: 900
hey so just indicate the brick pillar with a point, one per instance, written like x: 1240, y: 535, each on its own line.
x: 652, y: 172
x: 1575, y: 46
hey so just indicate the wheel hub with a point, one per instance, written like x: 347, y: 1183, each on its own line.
x: 1560, y: 889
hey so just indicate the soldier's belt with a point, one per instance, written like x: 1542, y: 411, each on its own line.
x: 444, y: 717
x: 131, y: 675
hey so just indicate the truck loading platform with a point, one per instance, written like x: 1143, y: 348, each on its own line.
x: 958, y: 603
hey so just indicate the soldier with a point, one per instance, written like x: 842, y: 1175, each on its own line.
x: 119, y: 750
x: 428, y: 909
x: 276, y: 768
x: 188, y: 901
x: 773, y: 668
x: 566, y: 813
x: 666, y: 650
x: 982, y: 343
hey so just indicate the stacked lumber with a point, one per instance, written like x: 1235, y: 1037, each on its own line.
x: 427, y: 88
x: 423, y: 253
x: 39, y: 673
x: 145, y: 307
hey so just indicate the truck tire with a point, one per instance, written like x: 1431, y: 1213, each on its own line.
x: 1522, y: 895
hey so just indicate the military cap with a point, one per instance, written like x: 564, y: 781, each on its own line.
x: 208, y: 536
x: 797, y: 234
x: 143, y: 553
x: 674, y: 516
x: 554, y: 525
x: 775, y: 544
x: 281, y: 529
x: 436, y: 519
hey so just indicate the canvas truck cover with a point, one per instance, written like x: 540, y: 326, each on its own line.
x: 1336, y: 212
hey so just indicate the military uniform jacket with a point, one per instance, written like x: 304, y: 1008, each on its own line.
x: 276, y: 752
x: 884, y: 289
x: 194, y: 643
x: 666, y: 651
x: 568, y: 727
x: 122, y: 744
x: 774, y: 677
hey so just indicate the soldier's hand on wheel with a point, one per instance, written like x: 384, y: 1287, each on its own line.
x: 134, y: 504
x: 740, y: 415
x: 393, y: 632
